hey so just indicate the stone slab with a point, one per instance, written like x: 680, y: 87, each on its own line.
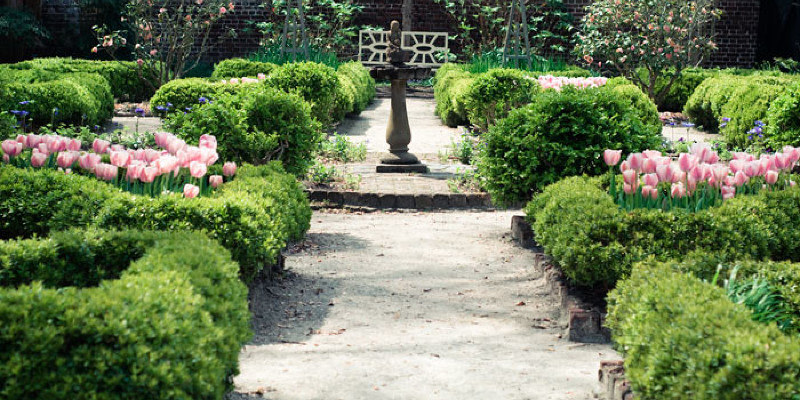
x: 401, y: 169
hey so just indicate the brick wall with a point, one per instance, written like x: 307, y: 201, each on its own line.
x: 736, y: 31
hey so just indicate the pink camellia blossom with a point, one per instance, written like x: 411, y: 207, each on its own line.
x: 649, y: 166
x: 11, y: 147
x: 771, y: 177
x: 630, y: 177
x: 148, y: 174
x: 728, y: 192
x: 215, y: 180
x: 100, y: 146
x: 74, y: 145
x: 687, y: 162
x: 678, y: 191
x: 120, y: 158
x: 197, y: 169
x: 650, y: 180
x: 664, y: 173
x: 88, y: 161
x: 208, y: 141
x: 740, y: 178
x: 105, y: 171
x: 38, y: 159
x: 229, y: 168
x: 635, y: 161
x: 65, y: 159
x: 190, y: 191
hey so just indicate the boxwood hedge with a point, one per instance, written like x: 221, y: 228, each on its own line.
x: 683, y: 337
x: 450, y: 90
x: 239, y: 67
x: 492, y: 95
x: 253, y: 217
x: 119, y: 315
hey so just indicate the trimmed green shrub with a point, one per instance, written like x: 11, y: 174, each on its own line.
x: 450, y: 90
x: 186, y: 93
x: 253, y: 218
x: 682, y: 337
x: 345, y: 97
x: 559, y: 134
x: 495, y: 93
x: 585, y: 233
x: 749, y: 103
x: 704, y: 106
x: 363, y: 82
x: 239, y: 67
x: 119, y: 315
x: 316, y: 83
x: 640, y: 103
x: 122, y: 76
x: 783, y: 119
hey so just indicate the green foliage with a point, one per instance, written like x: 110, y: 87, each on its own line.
x: 340, y: 148
x: 137, y: 297
x: 253, y: 216
x: 749, y: 102
x: 682, y: 336
x: 783, y: 118
x: 704, y: 106
x: 362, y: 81
x: 21, y: 28
x: 345, y: 97
x: 678, y: 94
x: 559, y: 134
x: 239, y: 67
x: 494, y: 94
x: 122, y: 76
x: 316, y: 83
x: 185, y: 94
x: 640, y: 104
x: 450, y: 90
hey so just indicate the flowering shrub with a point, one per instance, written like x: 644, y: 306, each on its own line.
x: 662, y: 37
x: 143, y: 171
x: 698, y: 180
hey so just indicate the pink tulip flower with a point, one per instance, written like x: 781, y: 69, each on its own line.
x: 210, y: 142
x: 175, y: 145
x: 162, y: 138
x: 697, y: 173
x: 24, y: 140
x: 630, y: 177
x: 208, y: 156
x: 197, y: 169
x: 38, y: 159
x: 11, y: 147
x: 134, y: 171
x: 737, y: 165
x: 74, y: 145
x: 687, y: 162
x: 117, y: 147
x: 650, y: 180
x: 678, y: 191
x: 771, y: 177
x: 752, y: 168
x: 720, y: 172
x: 151, y: 155
x: 740, y: 178
x: 628, y: 189
x: 781, y: 161
x: 56, y: 144
x: 635, y: 161
x: 65, y: 159
x: 167, y: 164
x: 651, y: 154
x: 624, y: 166
x: 712, y: 158
x: 120, y: 158
x: 88, y: 161
x: 229, y: 168
x: 100, y: 146
x: 701, y: 151
x: 105, y: 171
x: 691, y: 184
x: 664, y: 173
x: 148, y: 174
x: 649, y: 166
x: 190, y: 191
x: 215, y: 180
x: 728, y: 192
x: 34, y: 140
x: 678, y: 176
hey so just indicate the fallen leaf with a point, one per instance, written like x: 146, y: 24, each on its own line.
x: 521, y: 303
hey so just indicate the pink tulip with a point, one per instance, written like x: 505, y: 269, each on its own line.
x: 105, y: 171
x: 120, y: 158
x: 729, y: 180
x: 74, y: 145
x: 43, y: 148
x: 651, y: 154
x: 630, y: 177
x: 117, y: 147
x: 740, y: 178
x: 752, y: 168
x: 175, y: 145
x: 793, y: 154
x: 100, y: 146
x: 611, y: 157
x: 771, y: 177
x: 23, y: 139
x: 162, y: 138
x: 38, y: 159
x: 197, y: 169
x: 88, y: 161
x: 215, y: 180
x: 737, y: 165
x: 663, y: 160
x: 635, y: 161
x: 720, y: 172
x: 664, y: 173
x: 12, y: 148
x: 678, y: 176
x: 781, y: 161
x: 65, y: 159
x: 151, y: 155
x: 624, y: 166
x: 687, y: 162
x: 56, y: 144
x: 190, y: 191
x: 678, y: 190
x: 134, y: 171
x: 740, y: 155
x: 650, y: 180
x: 148, y: 174
x: 649, y: 166
x: 701, y: 151
x: 229, y: 168
x: 193, y: 153
x: 628, y: 189
x: 712, y: 158
x: 691, y: 184
x: 137, y: 155
x: 34, y: 140
x: 210, y: 142
x: 167, y: 164
x: 728, y: 192
x: 208, y: 156
x: 697, y: 173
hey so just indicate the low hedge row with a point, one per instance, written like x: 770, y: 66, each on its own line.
x: 684, y: 338
x: 362, y: 82
x: 562, y: 134
x: 254, y: 125
x: 78, y: 98
x: 240, y: 67
x: 451, y: 85
x: 126, y: 315
x: 596, y: 243
x: 253, y: 217
x: 123, y: 76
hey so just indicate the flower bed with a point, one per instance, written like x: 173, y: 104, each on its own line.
x: 119, y: 315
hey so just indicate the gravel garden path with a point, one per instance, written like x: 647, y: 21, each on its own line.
x: 411, y: 306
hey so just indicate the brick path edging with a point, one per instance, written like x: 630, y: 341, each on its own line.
x: 437, y: 201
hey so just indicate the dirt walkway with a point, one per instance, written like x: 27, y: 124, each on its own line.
x: 412, y: 306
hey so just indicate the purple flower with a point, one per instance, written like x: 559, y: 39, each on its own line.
x: 688, y: 124
x: 139, y: 111
x: 24, y: 103
x: 202, y: 100
x: 724, y: 124
x: 726, y: 119
x: 758, y: 123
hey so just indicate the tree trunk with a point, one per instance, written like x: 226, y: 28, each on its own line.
x: 406, y: 10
